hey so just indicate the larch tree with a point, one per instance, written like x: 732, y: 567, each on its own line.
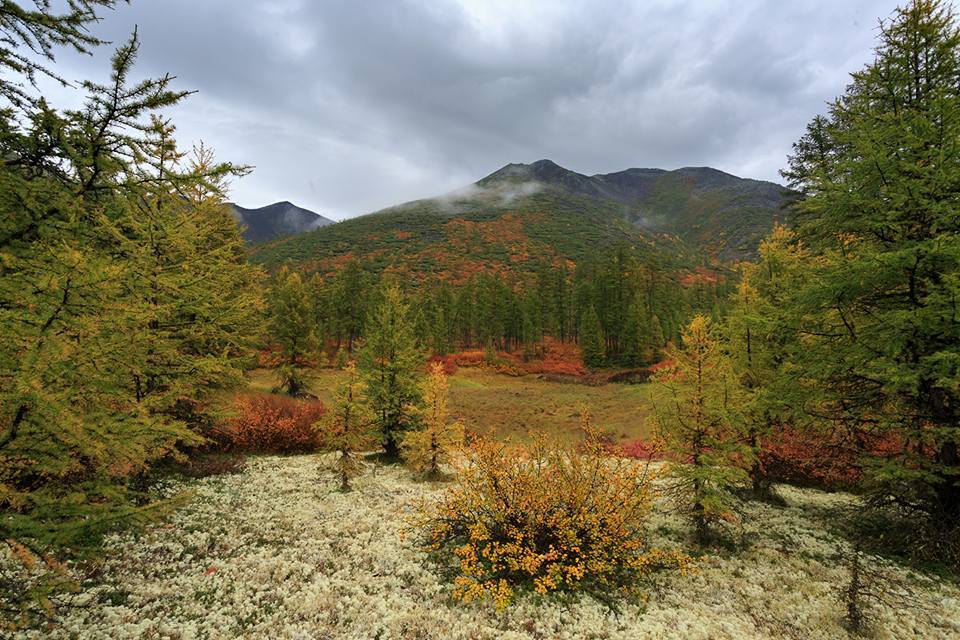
x: 432, y: 446
x: 694, y: 416
x: 881, y: 176
x: 348, y: 427
x: 762, y: 342
x: 110, y: 342
x: 389, y: 362
x: 292, y: 325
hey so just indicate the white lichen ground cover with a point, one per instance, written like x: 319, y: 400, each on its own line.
x: 275, y: 552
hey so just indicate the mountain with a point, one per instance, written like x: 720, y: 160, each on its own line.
x: 524, y: 213
x: 711, y: 210
x: 277, y: 220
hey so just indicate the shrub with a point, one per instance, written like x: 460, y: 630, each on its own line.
x: 271, y: 423
x: 448, y: 362
x: 561, y: 358
x: 545, y: 518
x: 641, y: 449
x: 825, y: 458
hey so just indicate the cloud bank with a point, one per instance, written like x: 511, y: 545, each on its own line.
x: 345, y: 107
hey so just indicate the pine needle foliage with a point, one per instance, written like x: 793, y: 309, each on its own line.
x: 389, y: 363
x: 125, y: 296
x: 591, y: 339
x: 292, y: 325
x: 880, y: 173
x: 762, y: 342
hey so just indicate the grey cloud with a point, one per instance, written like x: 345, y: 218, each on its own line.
x: 345, y: 107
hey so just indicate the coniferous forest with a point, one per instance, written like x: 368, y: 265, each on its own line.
x: 645, y: 404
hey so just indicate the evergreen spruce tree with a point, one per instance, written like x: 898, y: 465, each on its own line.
x: 656, y: 333
x: 637, y: 336
x: 695, y: 401
x: 880, y: 174
x: 389, y: 363
x: 591, y: 339
x: 531, y: 331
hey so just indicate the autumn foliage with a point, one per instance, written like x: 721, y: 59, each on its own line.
x: 428, y: 448
x: 271, y: 423
x: 831, y: 459
x: 545, y: 518
x: 555, y: 357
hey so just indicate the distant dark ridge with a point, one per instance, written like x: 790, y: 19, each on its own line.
x: 277, y: 220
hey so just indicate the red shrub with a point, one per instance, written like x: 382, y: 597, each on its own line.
x: 271, y: 423
x: 641, y: 449
x: 467, y: 358
x: 561, y: 357
x: 448, y: 362
x: 829, y: 459
x: 269, y: 356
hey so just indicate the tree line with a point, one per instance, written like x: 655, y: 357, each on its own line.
x: 619, y: 309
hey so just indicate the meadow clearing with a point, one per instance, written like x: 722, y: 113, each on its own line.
x: 274, y: 550
x: 507, y: 406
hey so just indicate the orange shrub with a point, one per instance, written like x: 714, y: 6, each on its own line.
x: 474, y: 358
x: 448, y: 362
x: 832, y: 459
x: 272, y: 423
x: 545, y: 518
x: 562, y: 358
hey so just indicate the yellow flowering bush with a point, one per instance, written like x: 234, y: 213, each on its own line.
x: 545, y: 518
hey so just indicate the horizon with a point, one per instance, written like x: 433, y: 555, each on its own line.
x: 465, y: 187
x: 347, y: 110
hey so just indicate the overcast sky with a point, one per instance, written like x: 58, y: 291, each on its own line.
x: 348, y: 106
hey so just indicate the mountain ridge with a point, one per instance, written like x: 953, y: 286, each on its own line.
x: 275, y: 221
x: 522, y: 213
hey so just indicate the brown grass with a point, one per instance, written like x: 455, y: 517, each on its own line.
x: 506, y: 406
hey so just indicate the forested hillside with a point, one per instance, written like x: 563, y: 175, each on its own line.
x: 523, y: 214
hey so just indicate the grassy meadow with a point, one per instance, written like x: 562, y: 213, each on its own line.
x: 509, y: 407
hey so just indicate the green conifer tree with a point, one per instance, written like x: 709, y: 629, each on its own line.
x: 880, y: 175
x: 591, y: 339
x: 348, y: 427
x: 389, y: 363
x: 292, y: 323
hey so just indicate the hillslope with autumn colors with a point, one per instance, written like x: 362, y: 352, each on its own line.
x: 525, y: 213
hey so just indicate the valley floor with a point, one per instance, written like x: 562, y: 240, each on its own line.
x: 275, y: 552
x: 508, y: 407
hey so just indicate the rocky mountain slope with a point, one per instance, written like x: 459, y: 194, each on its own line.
x: 277, y: 220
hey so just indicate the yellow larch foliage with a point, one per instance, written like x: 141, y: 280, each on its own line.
x: 429, y: 448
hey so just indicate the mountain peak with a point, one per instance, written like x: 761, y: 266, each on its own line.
x: 277, y: 220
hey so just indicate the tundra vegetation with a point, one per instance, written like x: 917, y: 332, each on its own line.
x: 170, y: 412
